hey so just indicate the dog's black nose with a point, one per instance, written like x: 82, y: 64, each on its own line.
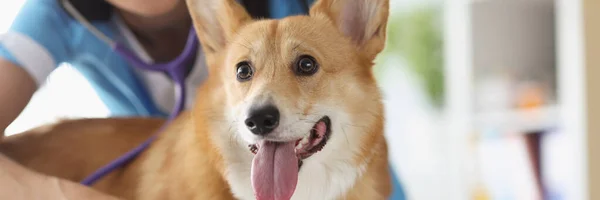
x: 263, y: 120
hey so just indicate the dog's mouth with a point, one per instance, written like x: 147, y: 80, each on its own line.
x: 276, y: 164
x: 310, y: 144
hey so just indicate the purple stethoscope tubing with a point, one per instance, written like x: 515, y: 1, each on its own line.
x: 175, y: 69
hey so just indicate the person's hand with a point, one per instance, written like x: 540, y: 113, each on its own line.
x: 17, y: 182
x: 16, y: 89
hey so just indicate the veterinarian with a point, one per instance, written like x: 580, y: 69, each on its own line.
x: 44, y: 35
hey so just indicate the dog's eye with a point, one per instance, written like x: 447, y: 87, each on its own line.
x: 306, y: 65
x: 244, y: 71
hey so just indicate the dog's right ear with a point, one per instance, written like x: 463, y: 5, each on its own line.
x: 216, y: 21
x: 362, y: 21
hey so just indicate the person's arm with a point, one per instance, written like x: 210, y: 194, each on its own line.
x: 34, y: 45
x: 17, y: 182
x: 37, y: 41
x: 16, y: 89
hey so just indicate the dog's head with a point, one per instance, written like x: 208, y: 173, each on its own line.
x: 299, y: 92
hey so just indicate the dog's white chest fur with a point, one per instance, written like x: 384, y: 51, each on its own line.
x: 317, y: 179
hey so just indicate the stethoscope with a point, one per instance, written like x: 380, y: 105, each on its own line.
x: 175, y: 69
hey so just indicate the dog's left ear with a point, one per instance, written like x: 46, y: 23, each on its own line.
x: 363, y: 21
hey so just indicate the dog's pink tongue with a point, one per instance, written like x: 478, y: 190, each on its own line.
x: 275, y: 171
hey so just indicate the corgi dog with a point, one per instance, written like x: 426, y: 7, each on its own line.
x: 290, y: 110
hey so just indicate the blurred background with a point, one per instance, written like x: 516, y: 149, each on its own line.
x: 485, y: 99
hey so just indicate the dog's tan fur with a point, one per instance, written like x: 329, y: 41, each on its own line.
x: 195, y: 157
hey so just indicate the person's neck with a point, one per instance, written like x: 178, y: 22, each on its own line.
x: 163, y: 36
